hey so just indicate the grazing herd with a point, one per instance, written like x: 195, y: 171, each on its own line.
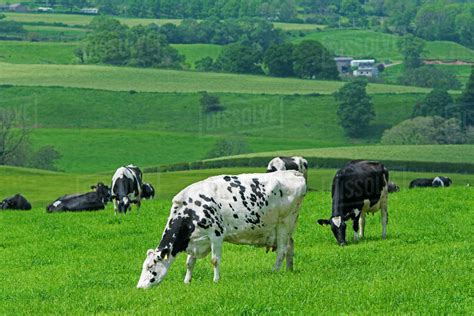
x: 259, y: 209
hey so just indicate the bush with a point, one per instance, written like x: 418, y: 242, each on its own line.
x: 45, y: 158
x: 228, y: 147
x: 210, y: 103
x: 205, y: 64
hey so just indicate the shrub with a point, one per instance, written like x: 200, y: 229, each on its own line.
x: 228, y: 147
x: 210, y: 103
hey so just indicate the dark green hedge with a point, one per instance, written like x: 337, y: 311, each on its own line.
x: 421, y: 166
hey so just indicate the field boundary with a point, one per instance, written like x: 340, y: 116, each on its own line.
x: 317, y: 162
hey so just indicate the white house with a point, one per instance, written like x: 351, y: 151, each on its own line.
x: 364, y: 67
x: 90, y: 10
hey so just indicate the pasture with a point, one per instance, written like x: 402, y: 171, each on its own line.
x: 172, y: 127
x: 89, y: 263
x: 370, y: 44
x: 162, y: 80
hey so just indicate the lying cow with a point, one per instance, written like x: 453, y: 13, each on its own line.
x: 16, y: 202
x: 128, y: 188
x: 252, y: 209
x: 393, y: 187
x: 359, y: 187
x: 288, y: 163
x: 90, y: 201
x: 432, y: 182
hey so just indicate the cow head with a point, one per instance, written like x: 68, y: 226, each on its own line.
x: 103, y: 191
x: 124, y: 204
x: 338, y: 226
x: 148, y: 191
x: 4, y: 205
x: 155, y: 268
x: 393, y: 187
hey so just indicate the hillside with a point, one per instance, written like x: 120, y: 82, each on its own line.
x: 110, y: 128
x: 435, y: 153
x: 366, y: 43
x: 160, y: 80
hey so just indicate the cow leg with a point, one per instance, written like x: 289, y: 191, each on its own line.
x: 282, y: 245
x: 384, y: 218
x: 362, y: 224
x: 289, y: 254
x: 216, y: 251
x: 189, y: 269
x: 115, y: 207
x: 356, y: 227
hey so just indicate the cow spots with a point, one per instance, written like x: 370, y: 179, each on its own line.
x: 198, y: 203
x: 236, y: 216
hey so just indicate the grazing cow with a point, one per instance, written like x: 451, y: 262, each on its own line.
x: 148, y: 191
x: 16, y: 202
x: 393, y: 187
x: 431, y: 182
x: 289, y: 163
x: 359, y: 187
x: 126, y: 188
x: 90, y: 201
x: 251, y: 209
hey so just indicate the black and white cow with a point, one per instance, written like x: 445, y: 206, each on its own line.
x: 358, y: 188
x: 251, y: 209
x: 16, y: 202
x: 90, y: 201
x: 289, y: 163
x: 431, y: 182
x: 126, y: 188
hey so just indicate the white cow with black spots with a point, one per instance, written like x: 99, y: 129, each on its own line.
x: 289, y: 163
x: 251, y: 209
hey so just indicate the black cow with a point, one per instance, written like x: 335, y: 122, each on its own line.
x: 128, y: 188
x: 393, y: 187
x: 431, y: 182
x: 359, y: 187
x: 16, y: 202
x: 90, y: 201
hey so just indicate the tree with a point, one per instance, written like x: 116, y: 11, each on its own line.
x: 279, y: 60
x: 353, y: 10
x: 210, y: 103
x: 205, y: 64
x: 355, y: 108
x: 436, y: 103
x: 467, y: 101
x: 45, y: 158
x: 412, y: 49
x: 13, y: 133
x: 238, y: 58
x: 425, y: 130
x: 314, y: 61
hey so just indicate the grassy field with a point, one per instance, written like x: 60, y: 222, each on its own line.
x: 88, y: 263
x: 160, y: 80
x: 195, y: 52
x: 83, y: 20
x: 19, y: 52
x: 106, y: 128
x: 462, y: 72
x: 365, y: 43
x: 435, y: 153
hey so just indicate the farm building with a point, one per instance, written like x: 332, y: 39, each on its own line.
x: 44, y: 9
x: 17, y: 7
x: 364, y: 68
x: 343, y: 65
x: 90, y: 10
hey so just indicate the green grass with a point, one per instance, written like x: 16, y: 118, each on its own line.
x: 462, y: 72
x: 106, y: 128
x: 365, y: 43
x: 19, y: 52
x: 160, y: 80
x: 88, y: 263
x: 195, y: 52
x: 432, y: 153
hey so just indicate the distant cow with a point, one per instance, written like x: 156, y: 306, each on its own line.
x: 431, y: 182
x: 90, y: 201
x: 16, y: 202
x: 128, y: 188
x: 359, y: 187
x: 253, y: 209
x: 289, y: 163
x: 393, y: 187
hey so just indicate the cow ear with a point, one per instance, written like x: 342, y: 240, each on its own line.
x: 323, y: 222
x: 150, y: 253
